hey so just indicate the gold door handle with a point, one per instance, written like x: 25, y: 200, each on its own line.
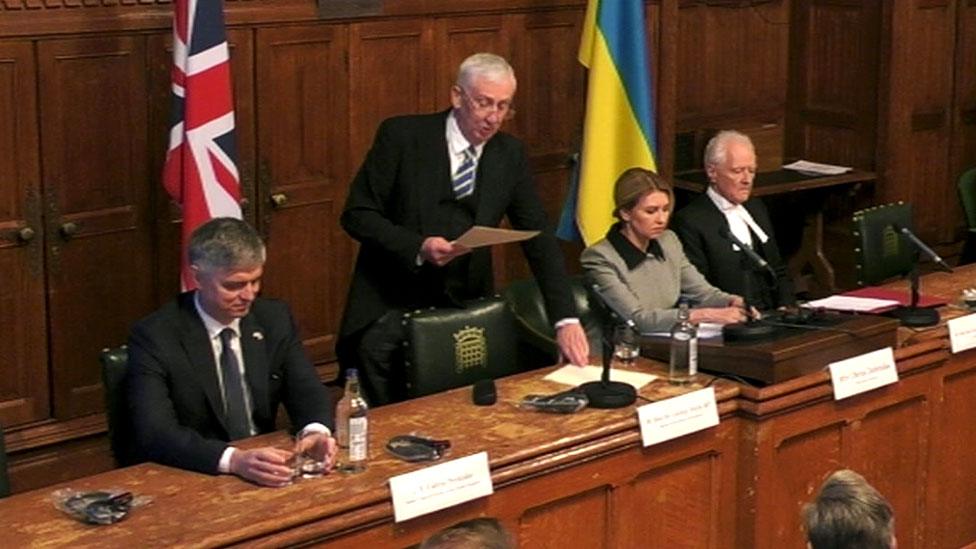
x: 26, y: 234
x: 279, y: 200
x: 69, y: 229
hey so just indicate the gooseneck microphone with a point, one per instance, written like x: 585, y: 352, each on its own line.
x: 624, y: 317
x: 724, y: 232
x: 907, y: 233
x: 606, y: 393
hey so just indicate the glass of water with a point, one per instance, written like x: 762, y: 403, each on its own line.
x: 626, y: 344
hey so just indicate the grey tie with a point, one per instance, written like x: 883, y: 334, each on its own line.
x: 238, y: 425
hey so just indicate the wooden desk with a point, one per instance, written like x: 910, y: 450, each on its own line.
x: 787, y: 181
x: 790, y: 353
x: 584, y: 480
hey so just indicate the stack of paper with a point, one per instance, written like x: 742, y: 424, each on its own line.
x: 816, y: 168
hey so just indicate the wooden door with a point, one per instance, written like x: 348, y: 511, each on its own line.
x: 24, y: 383
x: 96, y: 190
x: 302, y: 142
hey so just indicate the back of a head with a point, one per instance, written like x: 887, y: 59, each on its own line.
x: 849, y: 513
x: 480, y: 533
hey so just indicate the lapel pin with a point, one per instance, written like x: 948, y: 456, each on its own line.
x: 258, y: 336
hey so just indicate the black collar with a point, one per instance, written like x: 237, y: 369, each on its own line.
x: 632, y: 255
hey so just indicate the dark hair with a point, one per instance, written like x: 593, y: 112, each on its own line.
x: 479, y: 533
x: 849, y: 514
x: 636, y: 183
x: 225, y: 243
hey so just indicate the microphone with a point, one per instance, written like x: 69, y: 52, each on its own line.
x: 907, y: 233
x: 747, y: 249
x: 625, y: 318
x: 483, y: 392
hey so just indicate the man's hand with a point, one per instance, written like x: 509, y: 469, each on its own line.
x: 440, y: 252
x: 573, y: 344
x: 318, y: 446
x: 265, y: 466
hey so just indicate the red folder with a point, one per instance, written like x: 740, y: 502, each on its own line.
x: 903, y: 297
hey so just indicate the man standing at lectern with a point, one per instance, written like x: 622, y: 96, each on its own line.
x: 425, y: 181
x: 726, y: 208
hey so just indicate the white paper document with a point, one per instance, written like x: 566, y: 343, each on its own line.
x: 578, y: 375
x: 479, y: 236
x: 677, y: 416
x: 863, y: 373
x: 962, y: 333
x: 816, y: 168
x: 440, y: 486
x: 853, y: 304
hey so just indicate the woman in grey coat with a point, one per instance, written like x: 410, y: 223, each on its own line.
x: 640, y: 267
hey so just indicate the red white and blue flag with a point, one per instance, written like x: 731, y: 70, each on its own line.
x: 201, y: 164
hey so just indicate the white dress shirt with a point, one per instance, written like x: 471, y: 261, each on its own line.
x: 739, y: 218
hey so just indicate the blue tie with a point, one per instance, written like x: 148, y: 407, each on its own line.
x: 236, y: 411
x: 463, y: 180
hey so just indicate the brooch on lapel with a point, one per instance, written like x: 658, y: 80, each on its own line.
x: 258, y: 336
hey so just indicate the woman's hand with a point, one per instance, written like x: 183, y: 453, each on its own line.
x: 720, y: 315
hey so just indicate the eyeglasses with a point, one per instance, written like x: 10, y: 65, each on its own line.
x: 484, y: 106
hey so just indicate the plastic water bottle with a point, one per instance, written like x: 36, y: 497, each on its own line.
x: 352, y: 426
x: 684, y: 348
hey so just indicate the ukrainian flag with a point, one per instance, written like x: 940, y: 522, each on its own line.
x: 618, y: 131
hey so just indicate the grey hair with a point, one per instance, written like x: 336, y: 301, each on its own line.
x: 486, y: 65
x: 225, y: 243
x: 849, y: 513
x: 718, y: 146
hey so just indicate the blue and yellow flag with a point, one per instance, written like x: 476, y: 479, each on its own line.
x: 618, y: 131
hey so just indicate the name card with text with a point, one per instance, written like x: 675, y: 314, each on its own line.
x: 440, y: 486
x: 962, y: 333
x: 677, y: 416
x: 863, y: 373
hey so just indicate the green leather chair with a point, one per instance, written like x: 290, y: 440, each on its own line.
x: 120, y: 433
x: 448, y: 348
x: 4, y: 478
x: 537, y: 334
x: 880, y: 252
x: 967, y: 196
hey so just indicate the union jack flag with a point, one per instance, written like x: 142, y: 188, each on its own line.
x: 201, y: 163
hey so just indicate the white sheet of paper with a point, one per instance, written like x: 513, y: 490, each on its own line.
x: 706, y: 330
x: 440, y: 486
x: 962, y: 333
x: 479, y: 236
x: 862, y: 373
x: 578, y: 375
x: 848, y: 303
x: 816, y: 168
x: 678, y: 416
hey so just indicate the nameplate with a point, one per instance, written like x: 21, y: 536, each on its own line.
x: 440, y: 486
x: 677, y: 416
x: 962, y: 333
x: 863, y: 373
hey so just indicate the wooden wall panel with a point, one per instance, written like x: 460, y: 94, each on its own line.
x: 455, y: 38
x: 964, y: 111
x: 833, y: 82
x: 683, y: 499
x: 389, y: 75
x: 24, y: 383
x: 580, y: 520
x: 952, y: 481
x: 301, y: 91
x: 99, y: 242
x: 732, y: 63
x: 916, y: 132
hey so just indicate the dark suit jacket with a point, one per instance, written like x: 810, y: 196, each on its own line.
x: 393, y: 206
x: 174, y: 395
x: 698, y: 224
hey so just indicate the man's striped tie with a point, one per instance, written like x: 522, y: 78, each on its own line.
x: 463, y: 180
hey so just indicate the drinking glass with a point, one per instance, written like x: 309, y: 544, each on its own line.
x: 626, y: 344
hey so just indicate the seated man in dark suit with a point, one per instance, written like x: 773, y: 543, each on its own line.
x: 212, y: 367
x: 730, y: 162
x: 426, y: 180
